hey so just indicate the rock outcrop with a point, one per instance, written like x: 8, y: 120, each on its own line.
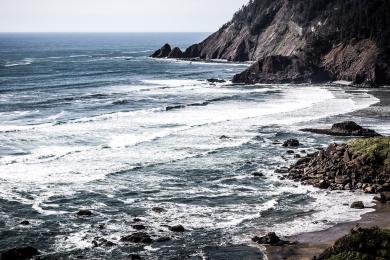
x: 19, y: 253
x: 176, y: 53
x: 348, y: 128
x: 163, y: 52
x: 300, y: 41
x: 362, y: 164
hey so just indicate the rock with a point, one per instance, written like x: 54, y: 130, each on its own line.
x: 139, y: 238
x: 99, y: 242
x: 258, y: 174
x: 84, y: 213
x: 323, y: 184
x: 138, y: 227
x: 163, y: 239
x: 282, y: 170
x: 291, y: 143
x: 134, y: 257
x: 163, y: 52
x: 19, y: 253
x: 176, y: 53
x: 24, y: 223
x: 278, y: 69
x: 290, y: 152
x: 177, y: 228
x: 297, y: 156
x: 216, y: 80
x: 159, y: 209
x: 137, y: 220
x: 357, y: 205
x: 348, y: 128
x: 269, y: 239
x: 224, y: 137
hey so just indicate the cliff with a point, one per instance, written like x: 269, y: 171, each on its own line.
x: 324, y: 40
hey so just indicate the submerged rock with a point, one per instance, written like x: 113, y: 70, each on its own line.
x: 139, y: 238
x: 216, y: 80
x: 177, y: 228
x: 19, y: 253
x: 348, y: 128
x: 291, y: 143
x: 84, y: 213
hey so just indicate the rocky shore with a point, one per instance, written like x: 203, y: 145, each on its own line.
x: 297, y: 41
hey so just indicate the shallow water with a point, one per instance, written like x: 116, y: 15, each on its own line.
x: 89, y: 121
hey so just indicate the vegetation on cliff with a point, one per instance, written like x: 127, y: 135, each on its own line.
x: 361, y: 244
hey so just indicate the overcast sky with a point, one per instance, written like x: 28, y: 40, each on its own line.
x: 115, y: 15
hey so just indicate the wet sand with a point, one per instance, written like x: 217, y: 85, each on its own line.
x: 312, y: 244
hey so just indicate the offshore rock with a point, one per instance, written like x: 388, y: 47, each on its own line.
x: 348, y: 128
x: 176, y: 53
x: 163, y: 52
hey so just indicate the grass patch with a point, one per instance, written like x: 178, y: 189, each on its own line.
x: 375, y: 147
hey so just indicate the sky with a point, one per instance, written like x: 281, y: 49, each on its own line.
x: 115, y: 15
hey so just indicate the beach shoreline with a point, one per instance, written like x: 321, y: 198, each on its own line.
x: 308, y: 245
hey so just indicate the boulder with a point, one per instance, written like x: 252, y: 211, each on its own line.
x: 158, y: 209
x: 163, y: 52
x: 138, y: 227
x: 216, y: 80
x: 348, y: 128
x: 134, y: 257
x: 139, y: 238
x: 269, y: 239
x: 291, y: 143
x: 19, y: 253
x: 84, y: 213
x: 177, y: 228
x: 25, y: 223
x: 357, y: 205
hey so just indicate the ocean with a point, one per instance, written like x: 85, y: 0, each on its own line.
x: 89, y: 121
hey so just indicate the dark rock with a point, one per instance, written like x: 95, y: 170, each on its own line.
x: 348, y: 128
x: 216, y: 80
x: 139, y: 238
x: 176, y: 53
x: 138, y: 227
x: 357, y: 205
x: 134, y: 257
x: 163, y: 52
x: 290, y: 152
x: 137, y: 220
x: 84, y: 213
x: 291, y: 143
x: 25, y: 223
x: 163, y: 239
x: 224, y: 137
x: 178, y: 228
x: 99, y: 242
x: 269, y: 239
x: 282, y: 170
x: 280, y: 69
x: 19, y: 253
x: 258, y: 174
x: 159, y: 209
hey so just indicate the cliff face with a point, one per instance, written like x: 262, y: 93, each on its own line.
x: 343, y: 39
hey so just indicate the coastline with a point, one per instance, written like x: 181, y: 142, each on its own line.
x: 306, y: 246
